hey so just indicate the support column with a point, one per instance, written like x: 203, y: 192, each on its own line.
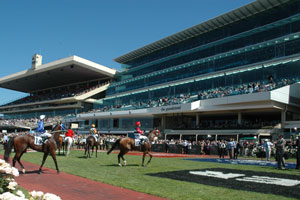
x: 196, y: 138
x: 283, y: 116
x: 180, y: 137
x: 197, y: 120
x: 216, y: 138
x: 239, y: 118
x: 163, y: 122
x: 120, y: 123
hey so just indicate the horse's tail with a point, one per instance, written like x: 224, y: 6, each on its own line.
x: 117, y: 143
x: 8, y: 147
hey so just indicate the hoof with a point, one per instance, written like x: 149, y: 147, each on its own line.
x: 120, y: 164
x: 23, y: 170
x: 125, y: 163
x: 40, y: 172
x: 58, y: 172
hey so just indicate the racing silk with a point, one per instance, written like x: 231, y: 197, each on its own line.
x: 93, y: 131
x: 138, y: 130
x: 70, y: 133
x: 40, y: 128
x: 157, y: 132
x: 63, y: 127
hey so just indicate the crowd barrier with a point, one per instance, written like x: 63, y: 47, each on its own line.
x: 177, y: 148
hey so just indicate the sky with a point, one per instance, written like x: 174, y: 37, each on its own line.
x: 97, y: 30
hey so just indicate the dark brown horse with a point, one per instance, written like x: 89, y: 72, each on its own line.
x: 22, y: 142
x: 126, y: 144
x: 90, y: 144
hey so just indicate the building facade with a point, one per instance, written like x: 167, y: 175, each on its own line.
x: 249, y: 52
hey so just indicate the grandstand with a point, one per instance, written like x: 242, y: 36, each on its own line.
x: 235, y: 75
x: 64, y: 87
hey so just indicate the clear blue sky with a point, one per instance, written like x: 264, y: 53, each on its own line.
x: 97, y: 30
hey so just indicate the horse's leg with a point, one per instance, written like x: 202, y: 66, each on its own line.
x: 19, y: 161
x: 67, y: 148
x: 149, y: 159
x: 85, y: 149
x: 44, y: 159
x: 89, y: 154
x: 144, y: 155
x: 125, y: 163
x: 17, y: 158
x: 119, y: 156
x: 96, y: 149
x: 92, y: 147
x: 52, y: 151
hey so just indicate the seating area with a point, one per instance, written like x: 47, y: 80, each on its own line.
x: 31, y: 122
x: 57, y: 93
x: 253, y: 87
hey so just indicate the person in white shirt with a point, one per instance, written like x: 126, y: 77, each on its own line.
x: 268, y: 146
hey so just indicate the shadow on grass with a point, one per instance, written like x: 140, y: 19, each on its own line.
x: 82, y: 157
x: 116, y: 165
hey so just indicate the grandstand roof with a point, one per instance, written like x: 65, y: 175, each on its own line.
x: 65, y: 71
x: 222, y: 20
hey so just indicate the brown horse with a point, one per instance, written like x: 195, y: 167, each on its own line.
x: 126, y: 144
x: 22, y: 142
x: 61, y: 145
x: 90, y: 144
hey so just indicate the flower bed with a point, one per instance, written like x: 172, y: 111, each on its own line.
x: 9, y: 189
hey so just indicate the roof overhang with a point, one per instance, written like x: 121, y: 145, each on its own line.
x: 65, y: 71
x: 207, y: 26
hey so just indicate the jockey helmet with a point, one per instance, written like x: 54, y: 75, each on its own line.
x: 42, y: 117
x: 138, y: 123
x: 93, y: 125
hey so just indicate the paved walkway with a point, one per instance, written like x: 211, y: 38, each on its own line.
x: 71, y: 187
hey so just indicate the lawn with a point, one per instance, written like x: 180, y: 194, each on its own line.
x: 133, y: 176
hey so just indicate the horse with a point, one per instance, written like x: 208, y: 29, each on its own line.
x: 126, y: 144
x: 90, y: 144
x: 61, y: 145
x: 68, y: 143
x: 22, y: 142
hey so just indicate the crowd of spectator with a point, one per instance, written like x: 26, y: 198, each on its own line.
x: 253, y: 87
x: 57, y: 93
x: 31, y: 122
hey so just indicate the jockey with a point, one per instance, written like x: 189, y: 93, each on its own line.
x: 94, y: 132
x: 70, y: 133
x: 141, y: 133
x: 157, y: 132
x: 40, y: 131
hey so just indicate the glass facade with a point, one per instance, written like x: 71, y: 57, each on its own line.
x: 125, y: 123
x: 256, y: 40
x: 259, y: 20
x: 281, y: 70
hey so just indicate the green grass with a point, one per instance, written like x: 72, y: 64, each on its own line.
x: 105, y: 169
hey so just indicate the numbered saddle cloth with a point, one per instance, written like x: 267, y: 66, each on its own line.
x: 38, y: 140
x: 137, y: 142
